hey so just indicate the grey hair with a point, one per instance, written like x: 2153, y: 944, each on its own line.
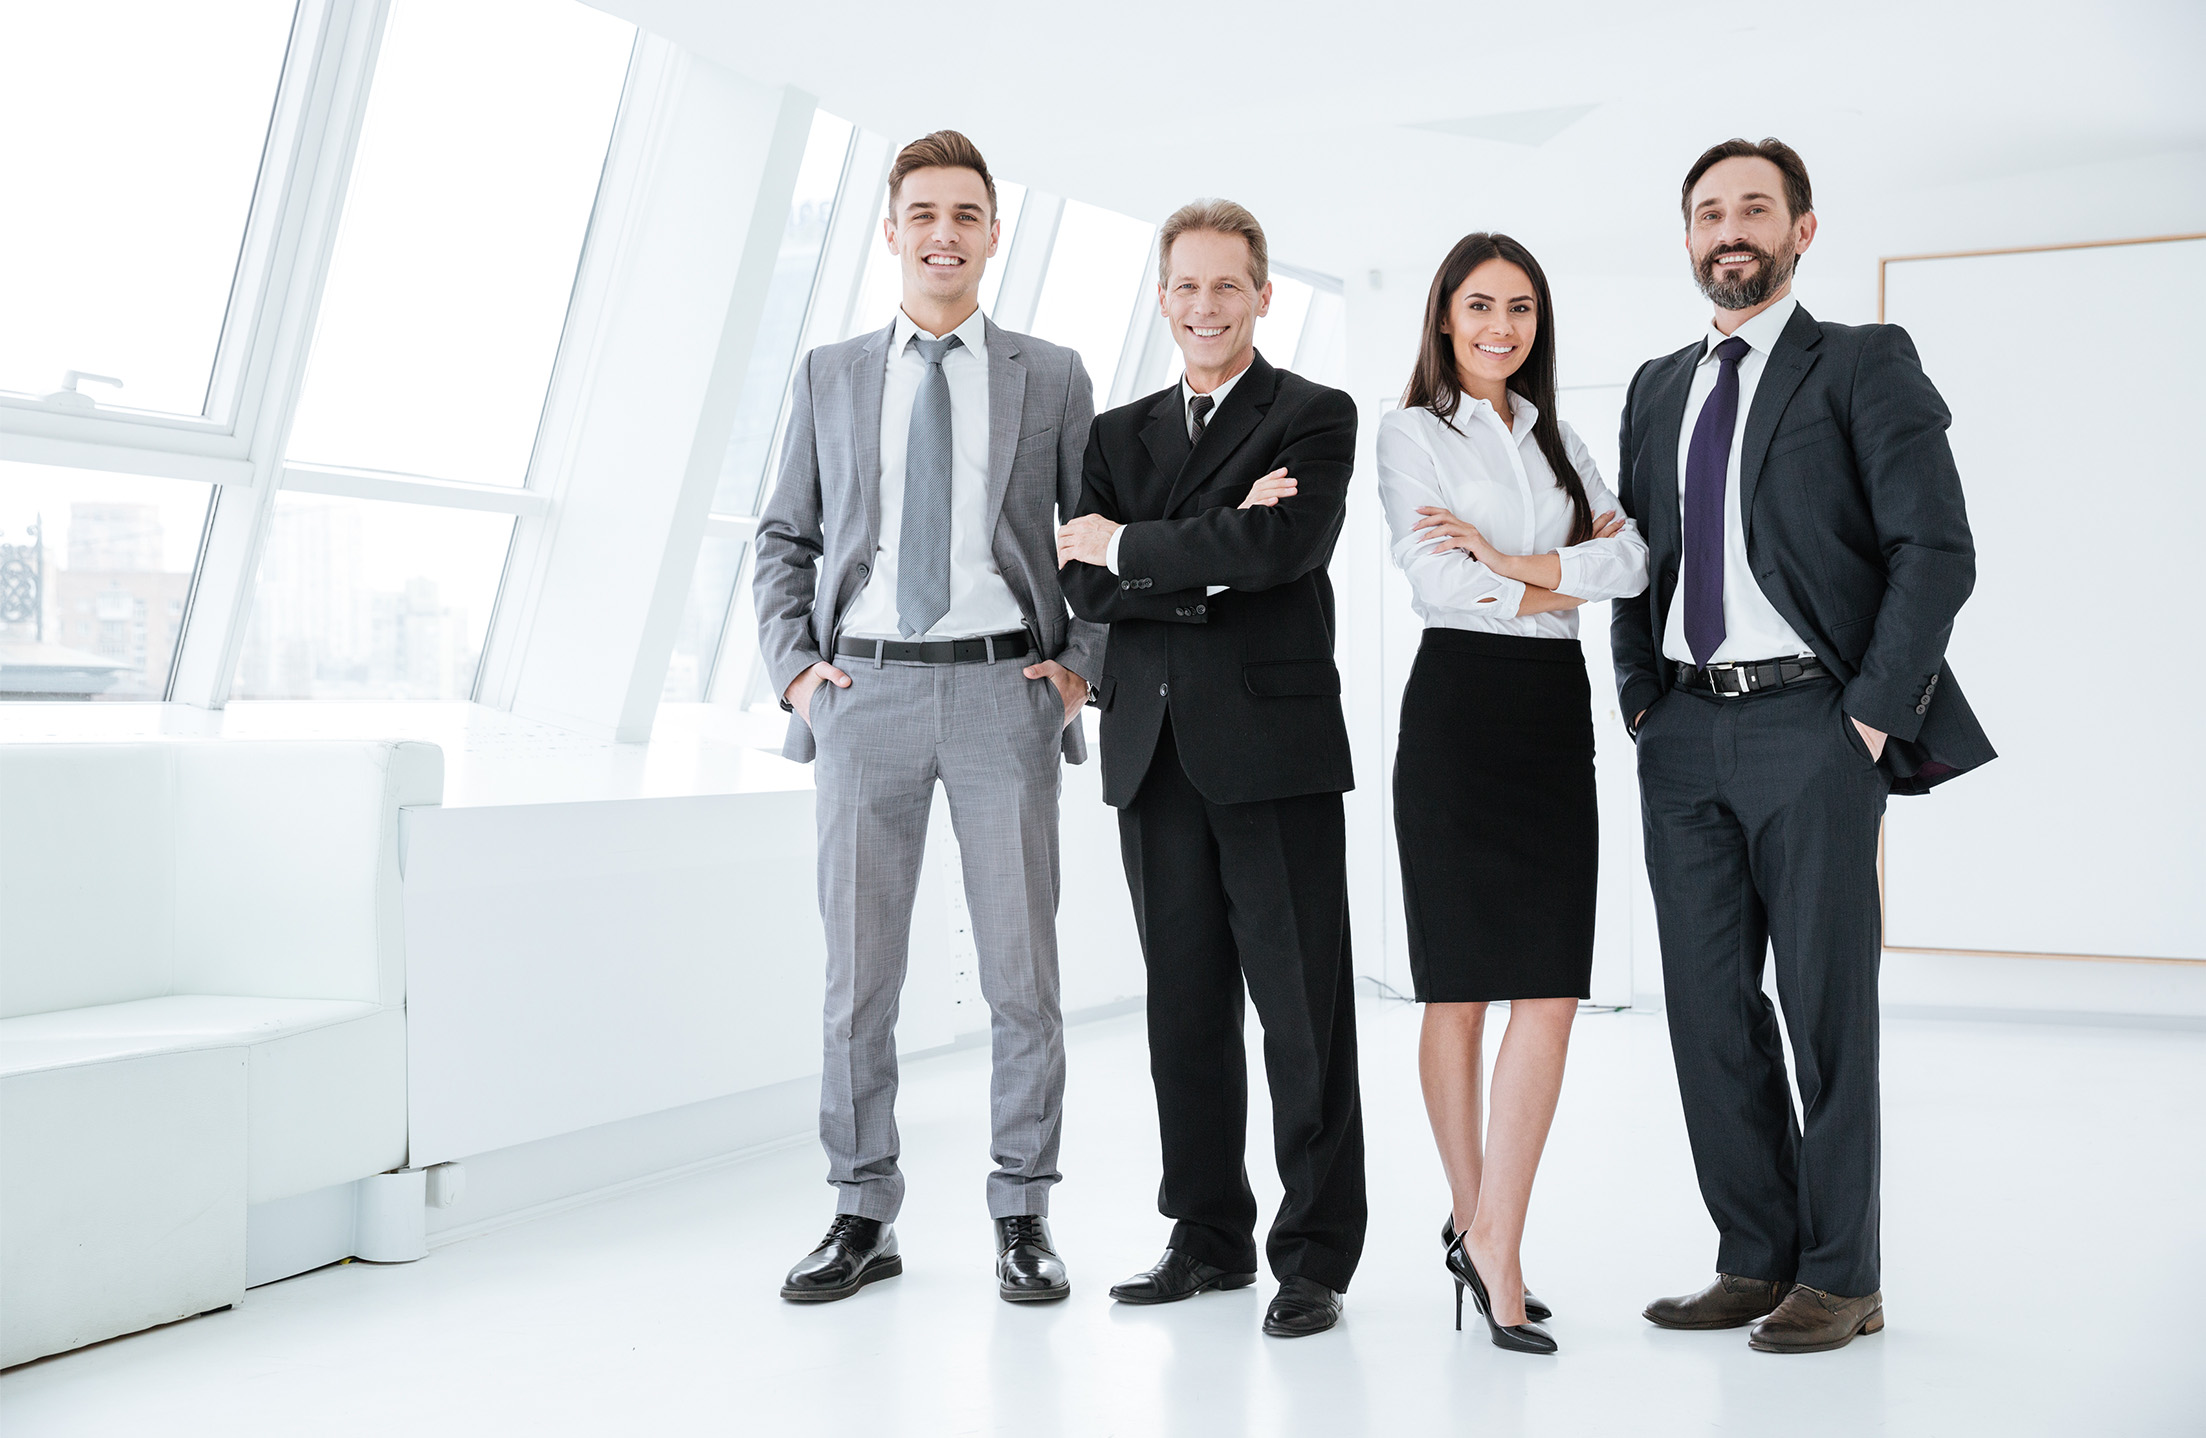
x: 1221, y: 217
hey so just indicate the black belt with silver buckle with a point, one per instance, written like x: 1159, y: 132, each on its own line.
x: 986, y: 649
x: 1733, y: 681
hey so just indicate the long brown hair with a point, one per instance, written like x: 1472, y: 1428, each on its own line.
x: 1435, y: 386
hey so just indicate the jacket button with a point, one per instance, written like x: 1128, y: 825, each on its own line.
x: 862, y: 569
x: 1922, y: 709
x: 1181, y: 611
x: 1125, y: 584
x: 1201, y: 609
x: 1163, y: 690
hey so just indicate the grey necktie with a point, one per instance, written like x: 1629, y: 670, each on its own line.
x: 923, y: 551
x: 1198, y: 416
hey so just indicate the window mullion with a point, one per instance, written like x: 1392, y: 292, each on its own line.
x: 221, y: 600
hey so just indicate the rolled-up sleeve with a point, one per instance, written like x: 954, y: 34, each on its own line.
x: 1612, y: 568
x: 1441, y: 578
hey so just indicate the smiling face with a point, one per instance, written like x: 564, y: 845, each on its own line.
x: 1213, y: 303
x: 1492, y: 320
x: 1742, y: 237
x: 943, y: 231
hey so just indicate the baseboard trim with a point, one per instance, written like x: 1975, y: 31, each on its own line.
x: 460, y: 1233
x: 778, y: 1117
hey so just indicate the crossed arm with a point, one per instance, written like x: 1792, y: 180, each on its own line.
x: 1280, y: 531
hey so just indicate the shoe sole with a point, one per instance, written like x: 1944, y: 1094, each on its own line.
x: 1707, y: 1327
x: 1222, y: 1284
x: 1043, y: 1295
x: 872, y: 1273
x: 1874, y: 1323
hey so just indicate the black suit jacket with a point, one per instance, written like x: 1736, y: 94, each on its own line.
x: 1855, y: 528
x: 1253, y: 693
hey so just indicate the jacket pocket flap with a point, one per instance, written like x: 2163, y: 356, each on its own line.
x: 1814, y: 431
x: 1281, y: 677
x: 1036, y: 439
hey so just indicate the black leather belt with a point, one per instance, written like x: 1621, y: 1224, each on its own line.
x: 986, y: 649
x: 1733, y: 681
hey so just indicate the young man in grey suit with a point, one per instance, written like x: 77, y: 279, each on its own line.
x: 1784, y: 672
x: 910, y: 615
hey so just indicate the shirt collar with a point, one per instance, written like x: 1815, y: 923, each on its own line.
x: 1187, y: 394
x: 1760, y: 333
x: 1523, y: 414
x: 972, y: 335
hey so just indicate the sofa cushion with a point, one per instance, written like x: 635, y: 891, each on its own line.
x: 175, y: 1024
x: 326, y: 1078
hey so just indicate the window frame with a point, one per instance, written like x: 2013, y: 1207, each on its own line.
x: 214, y: 445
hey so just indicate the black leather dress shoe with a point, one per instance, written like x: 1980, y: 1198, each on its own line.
x: 1302, y: 1308
x: 1028, y: 1269
x: 1535, y: 1309
x: 1175, y: 1277
x: 857, y: 1251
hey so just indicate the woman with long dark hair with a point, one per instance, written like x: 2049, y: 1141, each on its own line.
x: 1501, y: 521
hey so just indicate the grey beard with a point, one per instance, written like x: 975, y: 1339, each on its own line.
x: 1747, y: 292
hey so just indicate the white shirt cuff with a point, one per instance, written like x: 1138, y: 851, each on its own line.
x: 1110, y: 556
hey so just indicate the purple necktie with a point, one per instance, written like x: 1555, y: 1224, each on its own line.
x: 1707, y: 469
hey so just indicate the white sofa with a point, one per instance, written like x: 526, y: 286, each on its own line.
x: 202, y: 1008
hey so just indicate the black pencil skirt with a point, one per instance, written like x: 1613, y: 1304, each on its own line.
x: 1494, y: 810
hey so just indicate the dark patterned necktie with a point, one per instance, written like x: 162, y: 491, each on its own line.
x: 1199, y: 416
x: 923, y: 550
x: 1707, y: 471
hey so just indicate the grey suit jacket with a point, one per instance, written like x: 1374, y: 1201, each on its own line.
x: 818, y: 535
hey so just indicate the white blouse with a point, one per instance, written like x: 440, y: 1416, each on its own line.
x: 1495, y: 477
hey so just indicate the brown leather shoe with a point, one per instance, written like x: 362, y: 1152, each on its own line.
x: 1812, y: 1321
x: 1729, y: 1302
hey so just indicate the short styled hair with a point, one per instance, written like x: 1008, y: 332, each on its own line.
x: 1799, y: 198
x: 1222, y: 217
x: 944, y: 149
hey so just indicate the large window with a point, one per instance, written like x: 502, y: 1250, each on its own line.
x: 367, y: 599
x: 134, y: 130
x: 478, y: 167
x: 95, y: 571
x: 1098, y: 271
x: 781, y: 324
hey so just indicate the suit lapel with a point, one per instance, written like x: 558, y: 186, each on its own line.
x: 1790, y: 359
x: 868, y: 374
x: 1666, y: 402
x: 1006, y: 405
x: 1165, y: 436
x: 1234, y: 422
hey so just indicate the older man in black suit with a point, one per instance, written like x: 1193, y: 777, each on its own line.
x: 1784, y: 672
x: 1207, y: 515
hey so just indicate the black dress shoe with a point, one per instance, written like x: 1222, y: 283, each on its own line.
x: 1525, y: 1337
x: 1028, y: 1269
x: 1535, y: 1309
x: 1175, y: 1277
x: 1302, y: 1308
x: 857, y: 1251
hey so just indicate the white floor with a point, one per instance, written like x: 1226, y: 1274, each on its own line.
x: 2045, y: 1241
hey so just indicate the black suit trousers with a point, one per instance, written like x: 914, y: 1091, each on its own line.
x: 1256, y: 892
x: 1761, y: 820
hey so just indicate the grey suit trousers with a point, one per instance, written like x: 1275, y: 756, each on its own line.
x: 990, y: 735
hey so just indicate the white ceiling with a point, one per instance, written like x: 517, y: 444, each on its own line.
x: 1332, y: 123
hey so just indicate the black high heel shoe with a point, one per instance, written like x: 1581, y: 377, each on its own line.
x: 1527, y: 1337
x: 1535, y: 1308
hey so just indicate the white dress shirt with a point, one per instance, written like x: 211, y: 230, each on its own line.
x: 1187, y: 412
x: 1496, y: 477
x: 980, y: 602
x: 1752, y: 629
